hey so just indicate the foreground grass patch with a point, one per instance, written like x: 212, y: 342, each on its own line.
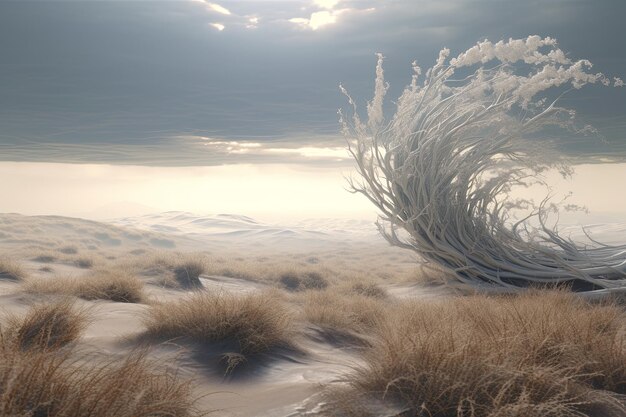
x: 55, y: 384
x: 548, y: 354
x: 254, y: 323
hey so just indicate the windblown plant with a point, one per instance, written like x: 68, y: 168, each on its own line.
x: 443, y: 166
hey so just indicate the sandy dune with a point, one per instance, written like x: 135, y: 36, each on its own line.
x: 275, y: 384
x: 241, y: 256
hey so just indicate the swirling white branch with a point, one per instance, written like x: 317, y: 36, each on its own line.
x: 442, y: 167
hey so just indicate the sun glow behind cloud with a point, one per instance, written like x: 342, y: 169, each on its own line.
x: 317, y: 20
x: 329, y: 16
x: 317, y: 14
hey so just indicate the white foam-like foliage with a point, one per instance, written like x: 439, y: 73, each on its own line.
x: 441, y: 168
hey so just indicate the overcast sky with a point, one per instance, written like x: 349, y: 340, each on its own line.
x: 190, y: 82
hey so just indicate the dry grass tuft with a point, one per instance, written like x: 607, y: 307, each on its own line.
x: 188, y: 273
x: 254, y: 323
x: 46, y: 259
x: 432, y: 275
x: 69, y: 250
x: 539, y: 354
x: 84, y: 262
x: 55, y: 384
x: 47, y: 326
x: 11, y: 270
x: 367, y: 289
x: 111, y: 285
x: 174, y: 270
x: 293, y: 280
x: 341, y: 316
x: 99, y: 285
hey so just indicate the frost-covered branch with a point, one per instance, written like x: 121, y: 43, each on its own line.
x: 442, y: 167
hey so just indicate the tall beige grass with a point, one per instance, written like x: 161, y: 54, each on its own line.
x: 255, y: 323
x: 187, y: 273
x: 47, y: 326
x: 54, y: 384
x: 343, y: 316
x: 11, y: 270
x: 85, y: 262
x: 299, y: 280
x: 286, y: 270
x: 41, y: 374
x: 365, y: 288
x: 173, y: 270
x: 110, y: 285
x: 539, y: 354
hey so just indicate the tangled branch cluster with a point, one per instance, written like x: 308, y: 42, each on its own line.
x: 443, y: 166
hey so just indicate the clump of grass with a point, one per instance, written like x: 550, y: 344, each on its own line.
x: 343, y: 317
x: 84, y: 262
x: 188, y: 273
x: 175, y: 270
x: 48, y: 326
x: 111, y: 285
x: 55, y: 384
x: 367, y: 289
x: 283, y: 270
x: 548, y: 354
x: 293, y: 280
x: 254, y: 323
x: 312, y: 260
x: 69, y: 250
x: 432, y: 275
x: 46, y: 259
x: 11, y: 270
x: 100, y: 285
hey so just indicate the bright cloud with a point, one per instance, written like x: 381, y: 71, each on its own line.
x: 214, y: 7
x: 329, y: 16
x: 300, y: 21
x: 252, y: 22
x: 218, y: 26
x: 319, y: 13
x: 326, y: 4
x: 219, y: 9
x: 317, y: 19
